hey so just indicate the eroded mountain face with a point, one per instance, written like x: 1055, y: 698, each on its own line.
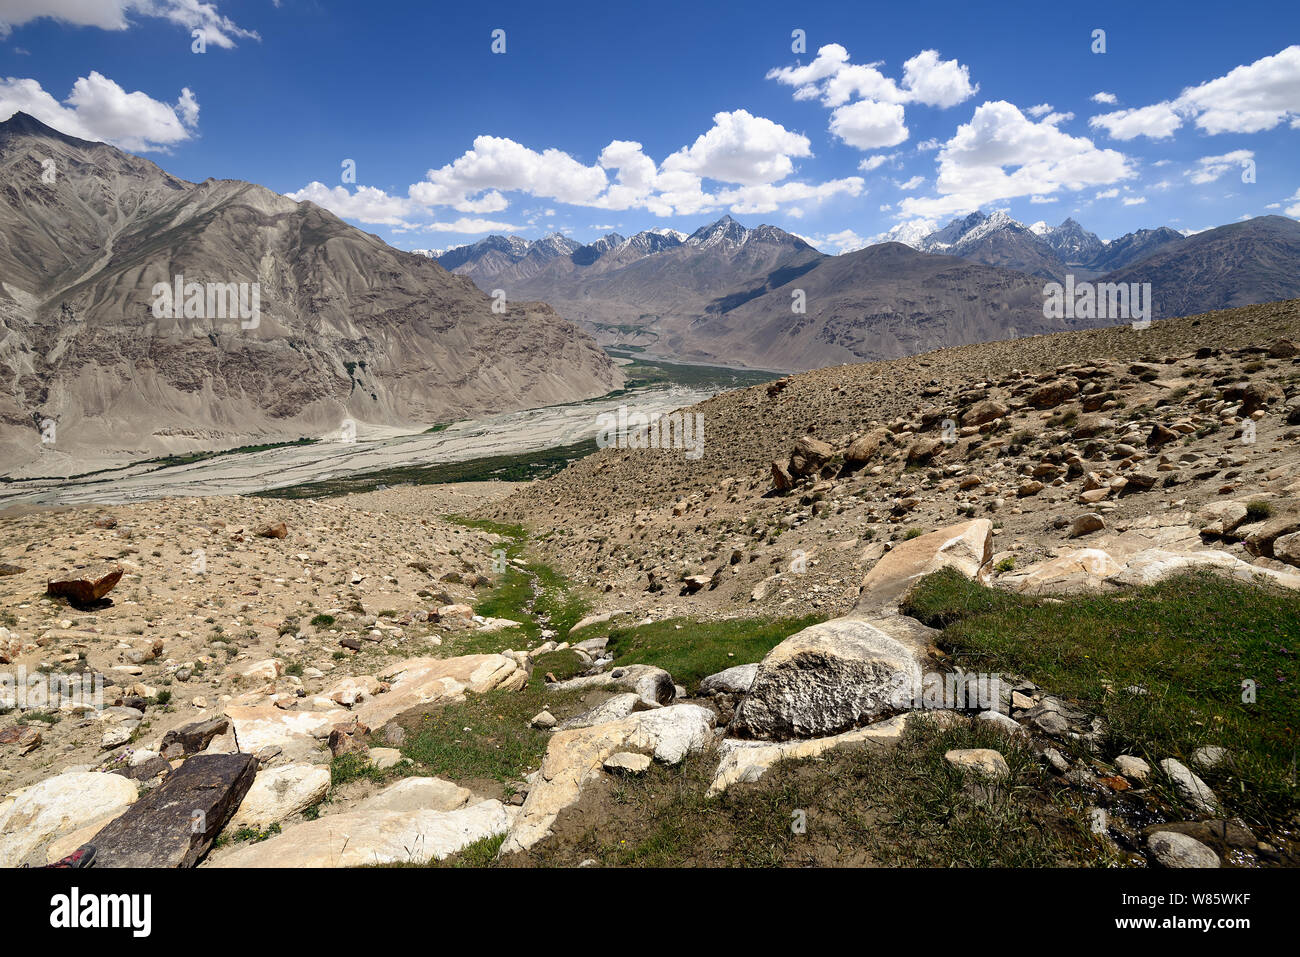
x: 300, y: 322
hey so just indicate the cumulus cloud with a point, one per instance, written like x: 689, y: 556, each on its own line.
x: 867, y: 107
x: 101, y: 110
x: 1001, y: 154
x: 749, y: 158
x: 1040, y: 110
x: 1210, y: 168
x: 1248, y: 99
x: 1157, y: 122
x: 869, y: 125
x: 767, y: 198
x: 912, y: 183
x: 218, y: 30
x: 741, y: 148
x: 367, y: 204
x: 1110, y: 99
x: 1133, y: 200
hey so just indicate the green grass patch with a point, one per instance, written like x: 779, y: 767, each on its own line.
x: 1190, y: 642
x: 898, y: 807
x: 499, y: 744
x: 698, y: 649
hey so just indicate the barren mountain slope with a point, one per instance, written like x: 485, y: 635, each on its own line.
x: 1073, y: 411
x: 348, y: 327
x: 1233, y: 265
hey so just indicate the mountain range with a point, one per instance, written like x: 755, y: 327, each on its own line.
x: 725, y: 293
x: 346, y: 327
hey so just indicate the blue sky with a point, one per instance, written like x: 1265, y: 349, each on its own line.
x: 606, y: 116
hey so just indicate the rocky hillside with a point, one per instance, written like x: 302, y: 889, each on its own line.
x: 346, y: 327
x: 1141, y: 428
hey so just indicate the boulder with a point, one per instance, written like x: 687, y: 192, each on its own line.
x: 1076, y: 570
x: 372, y: 835
x: 423, y: 681
x: 57, y: 806
x: 421, y: 794
x: 260, y: 726
x: 826, y: 679
x: 174, y: 824
x: 1086, y: 524
x: 986, y: 410
x: 737, y: 680
x: 968, y: 547
x: 576, y: 757
x: 85, y: 589
x: 278, y: 793
x: 627, y: 763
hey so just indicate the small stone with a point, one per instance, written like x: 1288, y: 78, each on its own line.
x: 544, y: 720
x: 1209, y: 756
x: 1191, y: 788
x: 626, y: 762
x: 384, y: 758
x: 986, y: 761
x: 1178, y: 850
x: 1133, y: 768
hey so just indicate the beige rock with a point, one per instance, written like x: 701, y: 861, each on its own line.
x: 278, y: 793
x: 373, y: 836
x: 57, y: 806
x: 422, y: 681
x: 747, y: 761
x: 968, y: 547
x: 421, y: 794
x: 575, y: 758
x: 985, y: 761
x: 258, y: 726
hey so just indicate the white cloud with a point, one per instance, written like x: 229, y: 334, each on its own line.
x: 1109, y: 99
x: 1258, y: 96
x: 497, y: 164
x: 845, y: 241
x: 928, y: 146
x: 99, y: 109
x: 1039, y: 111
x: 767, y: 198
x: 912, y: 183
x: 1133, y: 200
x: 869, y: 125
x: 1248, y: 99
x: 466, y: 225
x: 218, y: 30
x: 875, y: 162
x: 867, y: 106
x: 1157, y: 122
x: 1293, y: 211
x: 935, y: 82
x: 366, y: 205
x: 1210, y: 168
x: 1107, y: 194
x: 1001, y: 154
x: 741, y: 148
